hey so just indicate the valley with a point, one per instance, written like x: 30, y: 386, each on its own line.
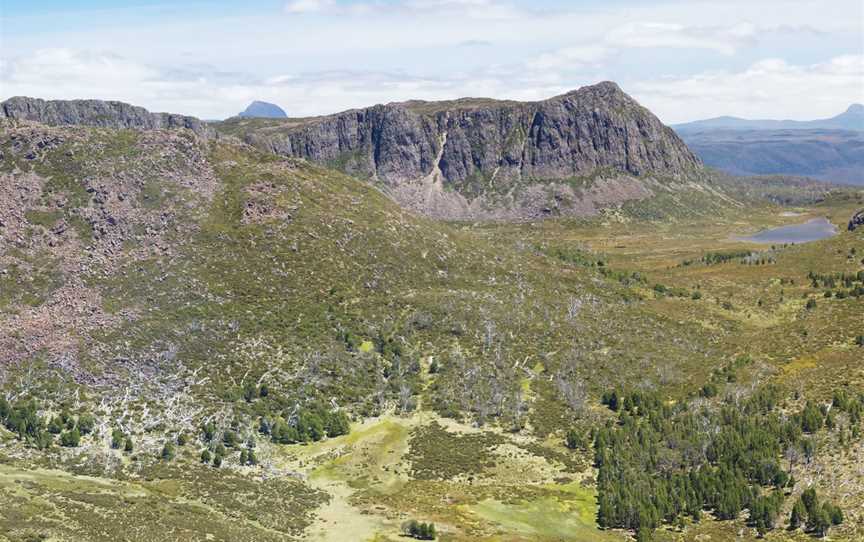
x: 242, y: 345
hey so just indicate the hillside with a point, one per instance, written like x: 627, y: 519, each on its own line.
x: 829, y: 155
x: 238, y: 345
x: 573, y: 154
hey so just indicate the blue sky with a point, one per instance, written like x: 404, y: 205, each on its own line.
x: 683, y: 59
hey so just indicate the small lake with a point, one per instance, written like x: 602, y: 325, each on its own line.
x: 812, y: 230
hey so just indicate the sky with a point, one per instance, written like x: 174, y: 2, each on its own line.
x: 683, y: 59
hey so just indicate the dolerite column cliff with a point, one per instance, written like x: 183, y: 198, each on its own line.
x: 480, y: 158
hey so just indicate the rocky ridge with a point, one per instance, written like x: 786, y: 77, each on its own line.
x: 97, y: 113
x: 572, y: 154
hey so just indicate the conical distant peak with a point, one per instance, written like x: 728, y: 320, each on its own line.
x: 264, y: 110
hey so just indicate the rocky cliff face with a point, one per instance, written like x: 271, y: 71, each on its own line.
x: 97, y: 113
x: 571, y: 154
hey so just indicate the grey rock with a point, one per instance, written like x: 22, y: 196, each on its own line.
x: 104, y: 114
x: 856, y: 221
x: 449, y: 159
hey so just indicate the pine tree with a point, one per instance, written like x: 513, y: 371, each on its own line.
x: 799, y: 511
x: 116, y: 439
x: 810, y: 501
x: 86, y: 423
x: 573, y: 439
x: 834, y: 514
x: 55, y: 426
x: 820, y: 521
x: 168, y: 451
x: 811, y: 418
x: 71, y: 438
x: 208, y: 431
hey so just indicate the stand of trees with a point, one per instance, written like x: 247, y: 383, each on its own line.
x: 309, y: 424
x: 24, y: 420
x: 660, y: 462
x: 815, y: 516
x: 418, y: 530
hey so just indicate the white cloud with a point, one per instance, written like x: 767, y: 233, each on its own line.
x: 473, y: 9
x: 431, y: 49
x: 476, y: 9
x: 770, y: 88
x: 67, y: 74
x: 308, y: 6
x: 725, y: 40
x: 569, y: 58
x: 644, y: 35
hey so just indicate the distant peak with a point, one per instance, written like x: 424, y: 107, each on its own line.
x: 857, y: 109
x: 258, y: 109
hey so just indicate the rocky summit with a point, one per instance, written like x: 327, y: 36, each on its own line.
x: 478, y: 158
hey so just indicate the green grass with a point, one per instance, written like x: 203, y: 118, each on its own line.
x: 568, y: 514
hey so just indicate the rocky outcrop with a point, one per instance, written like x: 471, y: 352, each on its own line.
x: 573, y: 154
x: 856, y: 221
x: 472, y: 158
x: 104, y: 114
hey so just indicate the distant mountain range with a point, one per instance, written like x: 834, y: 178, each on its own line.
x: 851, y: 119
x: 827, y: 155
x: 263, y: 110
x: 827, y: 149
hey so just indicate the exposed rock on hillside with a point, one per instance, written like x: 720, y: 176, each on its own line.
x: 573, y: 154
x: 96, y: 113
x: 856, y: 221
x: 470, y: 158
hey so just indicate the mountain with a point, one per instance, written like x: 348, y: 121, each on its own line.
x: 851, y: 119
x: 481, y: 158
x: 203, y: 339
x: 829, y: 155
x: 263, y: 110
x: 105, y: 114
